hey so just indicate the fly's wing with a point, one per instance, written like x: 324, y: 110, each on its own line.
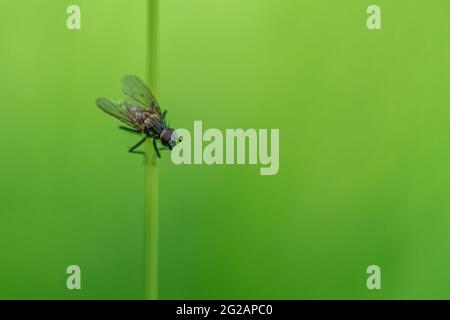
x: 118, y: 110
x: 134, y: 88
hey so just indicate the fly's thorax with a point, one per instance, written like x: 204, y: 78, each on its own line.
x: 138, y: 119
x: 153, y: 125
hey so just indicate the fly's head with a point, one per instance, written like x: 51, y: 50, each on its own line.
x: 169, y: 138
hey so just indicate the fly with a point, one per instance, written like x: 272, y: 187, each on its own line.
x: 140, y: 111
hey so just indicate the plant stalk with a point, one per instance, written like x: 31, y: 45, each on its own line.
x: 151, y: 220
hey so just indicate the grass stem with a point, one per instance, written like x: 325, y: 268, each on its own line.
x: 151, y: 235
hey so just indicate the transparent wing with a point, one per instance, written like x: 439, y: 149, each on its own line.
x: 134, y: 88
x: 118, y: 110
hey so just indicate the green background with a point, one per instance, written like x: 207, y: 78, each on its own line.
x: 364, y: 150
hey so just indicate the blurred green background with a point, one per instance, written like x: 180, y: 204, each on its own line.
x: 364, y: 166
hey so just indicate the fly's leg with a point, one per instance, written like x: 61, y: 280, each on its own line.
x: 164, y: 115
x: 129, y: 130
x: 136, y: 146
x: 156, y: 148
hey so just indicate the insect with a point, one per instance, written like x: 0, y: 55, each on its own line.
x: 140, y: 111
